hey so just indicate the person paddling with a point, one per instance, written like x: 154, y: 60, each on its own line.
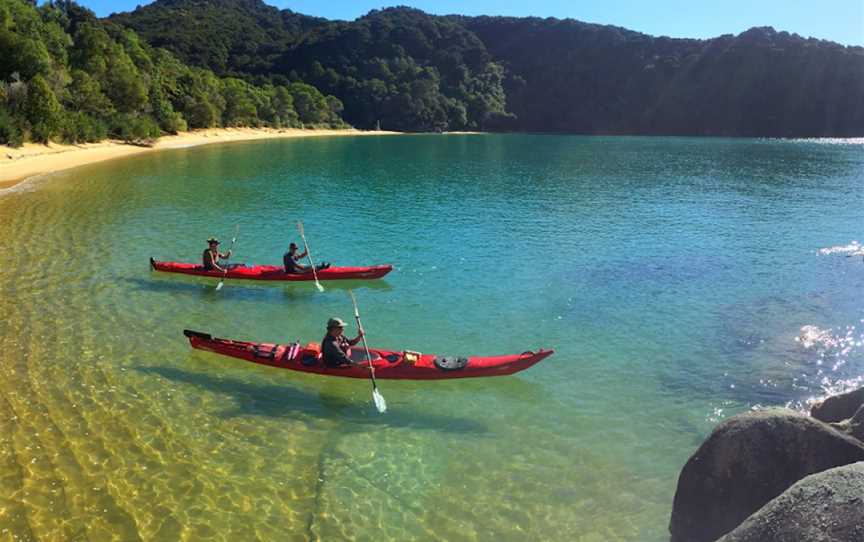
x: 212, y: 255
x: 291, y: 261
x: 336, y: 348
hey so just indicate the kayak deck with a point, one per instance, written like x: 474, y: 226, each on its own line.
x: 273, y: 272
x: 388, y: 364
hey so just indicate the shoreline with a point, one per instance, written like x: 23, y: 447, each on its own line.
x: 18, y: 165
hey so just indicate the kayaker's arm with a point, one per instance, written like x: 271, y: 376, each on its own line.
x: 356, y: 339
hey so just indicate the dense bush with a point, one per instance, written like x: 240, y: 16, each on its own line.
x: 66, y: 75
x: 10, y: 133
x: 134, y: 129
x: 79, y: 127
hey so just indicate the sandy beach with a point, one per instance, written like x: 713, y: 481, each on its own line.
x: 31, y: 160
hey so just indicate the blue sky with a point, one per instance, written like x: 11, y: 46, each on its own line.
x: 836, y: 20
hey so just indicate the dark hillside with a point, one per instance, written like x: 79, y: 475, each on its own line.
x: 412, y: 71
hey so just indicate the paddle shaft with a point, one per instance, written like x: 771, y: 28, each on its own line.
x: 363, y: 337
x: 366, y: 347
x: 230, y: 251
x: 308, y: 254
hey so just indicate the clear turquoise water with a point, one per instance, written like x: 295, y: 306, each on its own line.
x: 672, y: 276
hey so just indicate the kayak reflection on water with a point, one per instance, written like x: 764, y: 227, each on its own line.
x: 335, y: 347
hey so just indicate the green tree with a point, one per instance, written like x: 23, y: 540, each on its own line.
x: 43, y: 110
x: 201, y: 113
x: 124, y: 83
x: 283, y: 105
x: 240, y: 108
x: 163, y: 111
x: 85, y: 95
x: 310, y: 104
x: 10, y: 133
x: 78, y: 127
x: 22, y: 55
x: 139, y: 130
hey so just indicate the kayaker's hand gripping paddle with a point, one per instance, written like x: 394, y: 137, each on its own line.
x: 309, y: 255
x: 380, y: 403
x: 230, y: 251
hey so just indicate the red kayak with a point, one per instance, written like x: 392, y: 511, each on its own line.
x: 273, y: 272
x: 404, y: 365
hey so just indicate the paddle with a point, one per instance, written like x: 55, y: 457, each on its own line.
x: 309, y: 255
x: 380, y: 403
x: 230, y: 250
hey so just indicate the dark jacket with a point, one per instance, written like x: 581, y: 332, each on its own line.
x: 334, y: 350
x: 291, y: 263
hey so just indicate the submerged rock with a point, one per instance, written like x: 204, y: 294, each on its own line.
x: 823, y: 507
x: 747, y: 461
x: 838, y: 407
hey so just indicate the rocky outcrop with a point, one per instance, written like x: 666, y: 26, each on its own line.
x: 746, y: 462
x: 823, y: 507
x: 838, y: 407
x: 856, y: 424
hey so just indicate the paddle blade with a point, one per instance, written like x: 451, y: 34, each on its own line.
x: 318, y: 285
x: 219, y: 286
x: 380, y: 403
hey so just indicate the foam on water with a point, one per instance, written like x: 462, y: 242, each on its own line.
x: 852, y: 249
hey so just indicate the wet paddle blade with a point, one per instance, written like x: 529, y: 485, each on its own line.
x: 380, y: 403
x: 318, y: 285
x: 219, y: 286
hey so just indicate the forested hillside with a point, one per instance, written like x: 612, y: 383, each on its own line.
x: 65, y: 75
x: 593, y: 78
x: 400, y: 67
x: 412, y: 71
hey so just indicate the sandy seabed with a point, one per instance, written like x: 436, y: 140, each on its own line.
x: 32, y: 160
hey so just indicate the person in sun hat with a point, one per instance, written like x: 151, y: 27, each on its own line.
x: 291, y: 261
x: 336, y: 348
x: 212, y: 255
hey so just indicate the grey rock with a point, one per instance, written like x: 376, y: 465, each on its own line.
x: 747, y: 461
x: 838, y: 407
x: 823, y: 507
x: 856, y: 424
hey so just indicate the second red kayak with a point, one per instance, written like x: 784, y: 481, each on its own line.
x: 397, y: 365
x: 274, y: 272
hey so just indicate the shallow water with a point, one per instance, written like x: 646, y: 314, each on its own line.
x: 673, y: 276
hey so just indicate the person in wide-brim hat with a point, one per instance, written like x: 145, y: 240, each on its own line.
x: 212, y: 255
x: 291, y: 261
x: 336, y: 348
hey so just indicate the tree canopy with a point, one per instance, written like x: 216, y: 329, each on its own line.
x: 67, y: 75
x: 409, y: 70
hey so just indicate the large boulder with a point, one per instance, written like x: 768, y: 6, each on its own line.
x: 747, y: 461
x: 838, y: 407
x: 823, y: 507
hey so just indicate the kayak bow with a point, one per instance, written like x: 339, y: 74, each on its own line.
x: 404, y: 365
